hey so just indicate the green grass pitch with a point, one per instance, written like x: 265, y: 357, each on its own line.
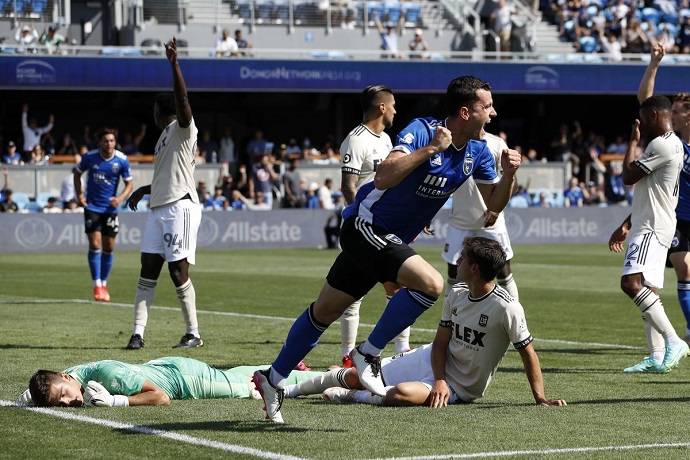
x: 586, y: 331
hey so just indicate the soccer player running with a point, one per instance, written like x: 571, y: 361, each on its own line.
x: 431, y: 160
x: 155, y: 383
x: 649, y: 229
x: 680, y: 245
x: 470, y: 217
x: 364, y: 148
x: 175, y: 215
x: 478, y: 323
x: 104, y: 166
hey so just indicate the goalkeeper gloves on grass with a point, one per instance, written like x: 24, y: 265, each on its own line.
x: 95, y: 394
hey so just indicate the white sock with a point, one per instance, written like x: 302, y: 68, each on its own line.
x: 187, y: 296
x: 366, y: 397
x: 104, y: 283
x: 653, y: 311
x: 655, y: 342
x: 97, y: 283
x: 509, y: 285
x: 368, y: 349
x: 143, y: 300
x: 349, y: 323
x: 318, y: 384
x: 277, y: 380
x: 402, y: 341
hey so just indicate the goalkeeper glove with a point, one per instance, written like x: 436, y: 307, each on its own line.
x: 95, y: 394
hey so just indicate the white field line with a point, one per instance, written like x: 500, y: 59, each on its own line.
x: 565, y: 450
x: 281, y: 318
x: 142, y: 429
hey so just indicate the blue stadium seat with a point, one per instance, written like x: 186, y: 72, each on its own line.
x: 588, y: 44
x: 281, y: 10
x: 42, y: 198
x: 412, y: 12
x: 672, y: 29
x: 651, y: 14
x: 518, y: 201
x: 264, y: 10
x: 33, y: 206
x: 39, y: 6
x: 671, y: 18
x: 18, y: 6
x: 21, y: 198
x: 394, y: 12
x: 244, y: 10
x: 375, y: 10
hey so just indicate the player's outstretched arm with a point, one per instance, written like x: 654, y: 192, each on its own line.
x: 646, y: 89
x: 536, y: 381
x: 184, y: 110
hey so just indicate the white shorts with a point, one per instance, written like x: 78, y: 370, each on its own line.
x: 647, y: 256
x: 455, y: 237
x: 171, y: 231
x: 411, y: 366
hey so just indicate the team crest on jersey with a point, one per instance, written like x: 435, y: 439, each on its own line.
x: 467, y: 165
x: 674, y: 243
x: 436, y: 160
x: 483, y: 320
x: 116, y: 168
x: 408, y: 138
x: 393, y: 239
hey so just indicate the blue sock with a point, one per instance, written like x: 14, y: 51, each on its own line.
x: 303, y: 336
x: 402, y: 311
x: 106, y: 264
x: 684, y: 300
x: 95, y: 264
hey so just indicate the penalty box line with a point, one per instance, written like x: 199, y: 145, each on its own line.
x: 283, y: 318
x: 142, y: 429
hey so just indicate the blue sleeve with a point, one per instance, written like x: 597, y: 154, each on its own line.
x: 125, y: 172
x: 485, y: 171
x: 83, y: 165
x: 414, y: 136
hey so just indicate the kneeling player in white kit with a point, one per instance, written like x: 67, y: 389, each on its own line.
x: 478, y: 323
x: 470, y: 217
x: 175, y: 215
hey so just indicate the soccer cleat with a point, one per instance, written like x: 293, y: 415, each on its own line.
x: 674, y: 353
x: 646, y: 366
x: 190, y: 341
x: 272, y: 396
x: 136, y: 342
x: 339, y: 395
x: 98, y: 293
x: 347, y: 362
x: 369, y: 371
x: 302, y: 366
x: 105, y: 295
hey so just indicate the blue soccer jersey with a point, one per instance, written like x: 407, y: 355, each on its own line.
x: 405, y: 209
x: 683, y: 208
x: 104, y: 177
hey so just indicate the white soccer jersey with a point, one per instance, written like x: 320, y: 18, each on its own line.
x: 468, y: 205
x: 656, y: 195
x: 482, y: 330
x: 173, y: 165
x: 362, y: 151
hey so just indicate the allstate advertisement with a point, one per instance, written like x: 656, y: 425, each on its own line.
x: 221, y: 230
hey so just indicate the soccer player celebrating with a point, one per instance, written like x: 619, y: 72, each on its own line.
x: 680, y: 245
x: 479, y: 322
x: 431, y: 160
x: 649, y: 229
x: 105, y: 166
x: 155, y: 383
x: 175, y: 215
x: 470, y: 217
x: 363, y: 149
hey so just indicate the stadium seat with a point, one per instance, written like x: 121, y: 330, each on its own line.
x: 244, y: 11
x: 38, y: 6
x: 518, y: 201
x: 393, y: 11
x: 42, y: 198
x: 33, y: 206
x: 412, y: 12
x: 651, y: 14
x: 18, y: 6
x: 21, y: 198
x: 375, y: 10
x: 281, y: 11
x: 264, y: 9
x: 588, y: 44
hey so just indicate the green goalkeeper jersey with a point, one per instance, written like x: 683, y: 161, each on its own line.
x: 180, y: 378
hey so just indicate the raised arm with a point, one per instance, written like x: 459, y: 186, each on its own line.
x: 530, y: 360
x: 496, y: 196
x: 646, y: 89
x: 184, y: 110
x: 631, y: 172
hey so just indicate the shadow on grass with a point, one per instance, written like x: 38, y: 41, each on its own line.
x: 564, y: 370
x: 630, y: 400
x: 236, y: 426
x: 18, y: 346
x: 590, y: 351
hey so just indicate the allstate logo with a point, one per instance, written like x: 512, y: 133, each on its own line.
x: 208, y: 231
x: 514, y: 224
x: 541, y: 77
x: 33, y: 233
x: 35, y: 72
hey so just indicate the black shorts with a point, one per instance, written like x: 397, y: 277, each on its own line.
x: 681, y: 240
x: 107, y: 224
x: 370, y: 255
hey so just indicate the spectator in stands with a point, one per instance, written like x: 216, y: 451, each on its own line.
x: 131, y: 142
x: 51, y: 39
x: 226, y: 46
x: 236, y: 203
x: 242, y: 180
x: 226, y: 152
x: 502, y: 24
x: 325, y: 194
x: 597, y: 169
x: 574, y: 196
x: 72, y: 207
x: 294, y: 195
x: 294, y: 150
x: 202, y: 191
x: 332, y: 228
x: 11, y: 156
x: 262, y: 178
x: 684, y: 36
x: 242, y: 44
x: 389, y: 38
x: 38, y: 156
x: 635, y: 38
x: 48, y: 144
x: 308, y: 151
x: 217, y: 201
x: 594, y: 195
x: 27, y: 38
x: 613, y: 47
x: 330, y: 154
x: 208, y: 147
x: 8, y: 204
x: 32, y: 132
x: 418, y: 46
x: 257, y: 147
x: 542, y: 201
x: 618, y: 146
x: 52, y: 206
x: 68, y: 147
x: 615, y: 188
x: 282, y: 155
x: 312, y: 196
x: 87, y: 139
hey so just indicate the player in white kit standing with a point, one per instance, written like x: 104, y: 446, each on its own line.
x: 175, y: 215
x: 469, y: 217
x: 363, y: 149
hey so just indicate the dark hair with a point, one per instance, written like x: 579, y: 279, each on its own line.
x: 166, y: 104
x: 371, y: 94
x: 657, y: 103
x: 39, y: 386
x: 487, y: 254
x: 683, y: 98
x: 462, y: 91
x: 105, y: 131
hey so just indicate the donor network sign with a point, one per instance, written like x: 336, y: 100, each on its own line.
x: 294, y: 228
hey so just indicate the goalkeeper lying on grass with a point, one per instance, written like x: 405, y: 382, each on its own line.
x: 155, y: 383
